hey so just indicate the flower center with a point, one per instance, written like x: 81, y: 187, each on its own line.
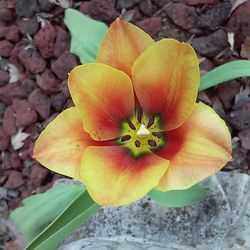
x: 141, y: 134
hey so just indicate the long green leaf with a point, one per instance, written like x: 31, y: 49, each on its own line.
x: 179, y: 198
x: 86, y: 35
x: 39, y: 210
x: 225, y: 72
x: 71, y: 218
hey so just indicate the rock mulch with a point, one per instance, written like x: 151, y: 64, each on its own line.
x: 35, y: 61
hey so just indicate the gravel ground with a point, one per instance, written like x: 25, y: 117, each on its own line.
x: 35, y: 61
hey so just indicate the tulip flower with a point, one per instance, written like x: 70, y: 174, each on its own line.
x: 136, y: 125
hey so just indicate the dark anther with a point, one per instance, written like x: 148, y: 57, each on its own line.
x: 131, y: 125
x: 125, y: 138
x: 151, y: 121
x: 151, y: 143
x: 139, y: 114
x: 137, y: 144
x: 157, y: 134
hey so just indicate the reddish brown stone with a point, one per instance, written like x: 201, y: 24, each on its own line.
x: 15, y: 179
x: 4, y: 140
x: 40, y: 102
x: 146, y: 7
x: 63, y: 65
x: 14, y: 56
x: 245, y: 138
x: 198, y: 2
x: 9, y: 121
x: 25, y: 115
x: 182, y: 15
x: 32, y: 61
x: 28, y: 85
x: 58, y: 101
x: 9, y: 92
x: 44, y: 40
x: 3, y: 31
x: 13, y: 34
x: 239, y: 23
x: 151, y: 25
x: 39, y: 175
x: 103, y: 10
x: 84, y: 8
x: 62, y: 41
x: 15, y: 161
x: 65, y: 88
x: 48, y: 82
x: 4, y: 77
x: 5, y: 48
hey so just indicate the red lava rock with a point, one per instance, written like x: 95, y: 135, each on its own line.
x: 44, y: 40
x: 125, y: 4
x: 39, y: 175
x: 63, y: 65
x: 48, y: 82
x: 9, y: 92
x: 45, y: 5
x: 65, y: 88
x: 32, y: 61
x: 146, y: 7
x: 197, y: 2
x: 239, y: 23
x: 4, y: 140
x: 4, y: 77
x: 162, y: 3
x: 40, y: 102
x: 182, y: 15
x: 15, y: 161
x: 27, y: 25
x: 13, y: 34
x: 28, y: 85
x: 62, y: 41
x: 103, y: 10
x: 227, y: 92
x: 58, y: 101
x: 214, y: 16
x: 151, y: 25
x: 245, y: 138
x: 25, y: 115
x: 5, y: 13
x: 212, y: 44
x: 84, y: 7
x: 5, y: 48
x: 15, y: 179
x: 14, y: 56
x: 3, y: 31
x: 9, y: 121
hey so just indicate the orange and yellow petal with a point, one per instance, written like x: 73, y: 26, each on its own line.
x: 104, y: 97
x: 61, y: 145
x: 114, y: 178
x: 196, y: 150
x: 122, y: 44
x: 166, y: 79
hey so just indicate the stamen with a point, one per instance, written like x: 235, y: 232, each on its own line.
x: 142, y: 132
x: 131, y: 125
x: 152, y: 143
x: 137, y: 144
x: 125, y: 138
x: 139, y: 114
x: 157, y: 134
x: 151, y: 121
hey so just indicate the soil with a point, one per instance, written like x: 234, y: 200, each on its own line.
x: 35, y: 42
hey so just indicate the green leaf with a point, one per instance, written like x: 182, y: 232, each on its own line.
x: 39, y: 210
x: 86, y: 35
x: 179, y: 198
x: 225, y: 72
x: 71, y: 218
